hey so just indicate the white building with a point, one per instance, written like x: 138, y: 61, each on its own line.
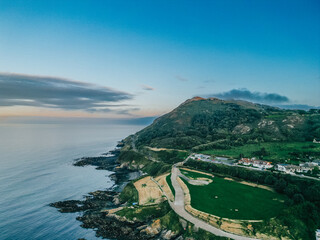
x: 255, y: 163
x: 262, y: 164
x: 308, y: 166
x: 288, y: 168
x: 201, y: 157
x: 316, y: 141
x: 318, y: 234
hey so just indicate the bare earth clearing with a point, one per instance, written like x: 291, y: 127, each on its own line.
x: 149, y: 192
x: 252, y: 184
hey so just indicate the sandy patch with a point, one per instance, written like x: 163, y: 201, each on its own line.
x: 252, y: 184
x: 149, y: 192
x: 205, y: 179
x: 113, y: 210
x: 258, y: 185
x: 191, y: 170
x: 230, y: 179
x: 164, y: 149
x: 268, y: 237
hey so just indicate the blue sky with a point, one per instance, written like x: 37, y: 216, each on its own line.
x: 157, y: 53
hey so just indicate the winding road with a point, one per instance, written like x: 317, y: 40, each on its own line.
x: 178, y: 207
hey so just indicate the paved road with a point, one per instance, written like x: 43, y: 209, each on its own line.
x: 178, y: 207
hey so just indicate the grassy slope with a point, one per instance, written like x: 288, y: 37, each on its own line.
x: 200, y: 123
x: 252, y: 203
x: 129, y: 194
x: 168, y: 179
x: 278, y: 151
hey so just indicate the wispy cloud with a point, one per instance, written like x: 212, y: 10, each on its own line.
x: 78, y: 120
x: 54, y: 92
x: 182, y: 79
x: 147, y: 88
x: 245, y: 94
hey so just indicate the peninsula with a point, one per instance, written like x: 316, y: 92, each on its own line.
x: 211, y: 169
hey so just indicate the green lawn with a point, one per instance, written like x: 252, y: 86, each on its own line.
x: 278, y: 151
x: 222, y: 198
x: 168, y: 179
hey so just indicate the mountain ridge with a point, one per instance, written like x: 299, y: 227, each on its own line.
x: 199, y: 121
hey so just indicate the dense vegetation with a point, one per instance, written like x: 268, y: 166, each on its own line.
x: 203, y: 124
x: 169, y: 156
x: 139, y: 161
x: 302, y: 213
x: 129, y: 194
x: 145, y: 213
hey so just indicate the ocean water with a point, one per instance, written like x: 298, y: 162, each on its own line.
x: 36, y: 169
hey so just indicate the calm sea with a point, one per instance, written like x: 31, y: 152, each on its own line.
x: 36, y: 169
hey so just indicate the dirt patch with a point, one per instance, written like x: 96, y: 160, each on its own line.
x: 258, y: 185
x: 149, y: 192
x: 113, y: 210
x: 230, y: 179
x: 165, y: 149
x: 164, y: 185
x: 205, y: 179
x: 268, y: 237
x: 191, y: 170
x: 251, y: 184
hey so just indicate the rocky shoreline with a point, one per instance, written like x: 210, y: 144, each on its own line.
x: 132, y: 222
x: 94, y: 207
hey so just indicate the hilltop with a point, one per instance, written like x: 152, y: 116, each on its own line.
x: 202, y: 124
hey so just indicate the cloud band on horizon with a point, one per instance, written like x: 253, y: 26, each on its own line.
x: 245, y: 94
x: 59, y: 93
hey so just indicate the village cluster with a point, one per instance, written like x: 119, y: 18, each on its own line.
x: 259, y: 164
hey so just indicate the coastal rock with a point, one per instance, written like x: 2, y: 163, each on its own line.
x: 150, y: 231
x: 95, y: 200
x: 116, y: 200
x: 168, y: 235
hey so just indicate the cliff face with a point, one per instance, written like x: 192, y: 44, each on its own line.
x: 200, y: 121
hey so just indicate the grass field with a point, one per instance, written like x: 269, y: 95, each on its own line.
x: 230, y: 199
x: 278, y: 151
x: 168, y: 179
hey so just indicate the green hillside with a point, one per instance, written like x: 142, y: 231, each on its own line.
x: 204, y: 124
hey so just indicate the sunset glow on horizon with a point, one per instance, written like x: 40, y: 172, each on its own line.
x: 106, y: 59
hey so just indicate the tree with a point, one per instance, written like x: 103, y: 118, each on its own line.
x: 261, y: 153
x: 270, y: 180
x: 280, y: 185
x: 315, y: 170
x: 298, y: 198
x: 243, y: 174
x: 291, y: 190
